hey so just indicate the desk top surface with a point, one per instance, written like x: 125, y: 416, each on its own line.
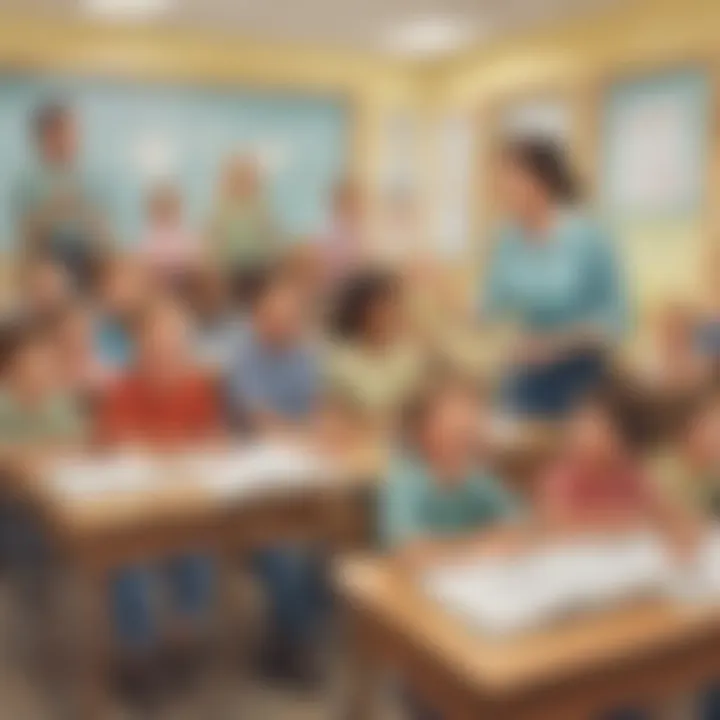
x: 185, y: 498
x: 580, y: 645
x: 177, y: 498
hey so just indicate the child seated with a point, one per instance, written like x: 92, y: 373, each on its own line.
x: 372, y: 359
x: 274, y: 390
x: 161, y: 402
x: 438, y: 496
x: 35, y: 411
x: 597, y: 484
x: 170, y: 250
x: 438, y: 501
x: 274, y: 380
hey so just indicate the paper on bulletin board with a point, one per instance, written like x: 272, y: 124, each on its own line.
x: 457, y: 155
x: 656, y: 133
x: 548, y: 118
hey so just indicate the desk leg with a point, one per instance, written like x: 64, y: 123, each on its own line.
x: 93, y: 691
x: 363, y: 672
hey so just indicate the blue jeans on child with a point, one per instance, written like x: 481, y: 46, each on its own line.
x: 190, y: 582
x: 292, y: 579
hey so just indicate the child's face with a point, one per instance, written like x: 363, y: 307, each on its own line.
x: 48, y: 286
x: 703, y: 439
x: 450, y: 429
x: 76, y: 332
x: 165, y: 208
x: 593, y: 435
x: 384, y: 320
x: 243, y: 180
x: 124, y: 289
x: 675, y: 330
x: 280, y: 315
x: 164, y: 340
x: 34, y: 369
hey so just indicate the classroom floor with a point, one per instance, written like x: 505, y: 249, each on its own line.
x: 25, y: 698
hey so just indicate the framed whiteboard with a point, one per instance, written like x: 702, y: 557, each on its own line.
x: 655, y: 139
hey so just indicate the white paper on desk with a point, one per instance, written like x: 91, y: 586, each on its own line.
x: 503, y: 429
x: 83, y: 477
x: 256, y: 470
x: 698, y: 579
x: 509, y: 595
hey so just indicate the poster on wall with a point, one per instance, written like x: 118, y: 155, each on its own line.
x: 457, y: 158
x: 548, y: 118
x: 655, y: 138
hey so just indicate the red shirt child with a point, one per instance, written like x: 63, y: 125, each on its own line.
x: 163, y: 400
x: 596, y: 482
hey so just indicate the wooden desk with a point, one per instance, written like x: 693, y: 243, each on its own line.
x: 98, y: 535
x: 645, y: 653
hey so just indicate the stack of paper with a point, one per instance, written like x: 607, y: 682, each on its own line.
x: 262, y: 469
x: 83, y: 477
x: 504, y: 595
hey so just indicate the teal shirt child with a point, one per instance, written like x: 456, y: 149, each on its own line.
x: 413, y: 505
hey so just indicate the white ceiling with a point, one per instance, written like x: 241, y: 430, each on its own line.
x: 359, y: 24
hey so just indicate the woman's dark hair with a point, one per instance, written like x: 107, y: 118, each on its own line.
x: 357, y: 297
x: 547, y: 161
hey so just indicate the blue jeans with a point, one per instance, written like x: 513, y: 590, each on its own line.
x: 292, y: 579
x: 552, y: 390
x: 190, y: 580
x: 709, y: 703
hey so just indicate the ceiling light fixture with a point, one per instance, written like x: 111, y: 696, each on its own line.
x: 127, y: 9
x: 430, y: 36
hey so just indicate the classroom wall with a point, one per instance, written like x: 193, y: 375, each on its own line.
x: 578, y: 61
x: 373, y: 88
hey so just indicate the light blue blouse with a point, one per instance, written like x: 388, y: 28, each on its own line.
x: 571, y: 278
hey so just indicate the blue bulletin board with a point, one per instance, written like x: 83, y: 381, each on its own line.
x: 134, y: 135
x: 655, y: 140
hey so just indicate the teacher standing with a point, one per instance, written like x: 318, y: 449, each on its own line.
x: 552, y: 272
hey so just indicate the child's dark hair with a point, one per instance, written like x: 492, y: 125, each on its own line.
x: 356, y: 298
x: 547, y: 161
